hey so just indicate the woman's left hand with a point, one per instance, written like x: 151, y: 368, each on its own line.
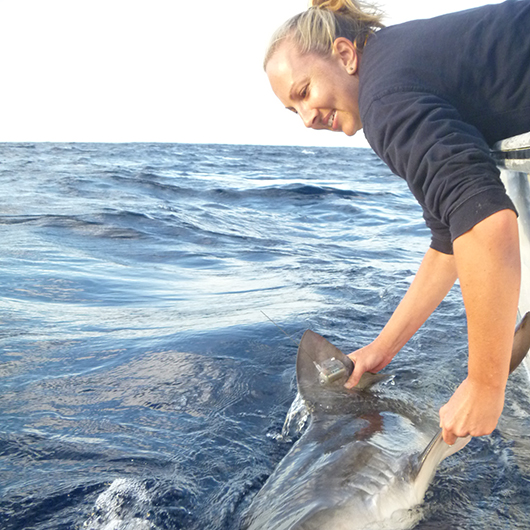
x: 474, y: 409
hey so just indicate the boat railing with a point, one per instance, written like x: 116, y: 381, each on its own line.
x: 513, y: 159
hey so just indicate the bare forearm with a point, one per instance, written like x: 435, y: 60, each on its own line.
x: 488, y: 264
x: 434, y: 279
x: 436, y: 275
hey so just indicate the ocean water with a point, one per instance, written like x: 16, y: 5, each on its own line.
x: 142, y: 386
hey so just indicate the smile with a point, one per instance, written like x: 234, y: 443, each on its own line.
x: 331, y: 118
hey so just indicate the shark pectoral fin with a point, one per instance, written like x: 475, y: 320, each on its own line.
x: 521, y: 342
x: 439, y: 450
x: 435, y: 452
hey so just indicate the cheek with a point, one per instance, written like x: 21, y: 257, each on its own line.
x: 345, y: 89
x: 348, y: 98
x: 323, y: 96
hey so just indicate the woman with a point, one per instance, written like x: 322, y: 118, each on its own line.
x: 432, y: 96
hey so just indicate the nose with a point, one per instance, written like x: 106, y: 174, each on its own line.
x: 309, y: 116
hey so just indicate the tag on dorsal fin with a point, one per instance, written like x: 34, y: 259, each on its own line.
x: 321, y: 363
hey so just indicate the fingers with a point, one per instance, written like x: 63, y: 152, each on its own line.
x: 370, y: 358
x: 448, y: 434
x: 353, y: 380
x: 449, y: 437
x: 357, y: 373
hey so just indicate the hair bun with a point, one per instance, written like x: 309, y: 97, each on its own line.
x: 315, y: 30
x: 352, y: 7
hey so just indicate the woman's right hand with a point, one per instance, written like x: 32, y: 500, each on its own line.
x: 370, y: 358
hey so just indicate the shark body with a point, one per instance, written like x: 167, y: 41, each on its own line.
x: 365, y: 460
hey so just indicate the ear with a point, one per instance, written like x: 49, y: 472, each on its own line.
x: 346, y: 53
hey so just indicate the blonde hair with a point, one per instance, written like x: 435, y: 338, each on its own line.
x: 316, y: 29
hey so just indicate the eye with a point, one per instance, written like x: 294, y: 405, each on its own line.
x: 304, y: 92
x: 292, y: 109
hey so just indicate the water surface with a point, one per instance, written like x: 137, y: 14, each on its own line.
x: 142, y: 387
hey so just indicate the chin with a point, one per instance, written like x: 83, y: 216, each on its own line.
x: 350, y: 129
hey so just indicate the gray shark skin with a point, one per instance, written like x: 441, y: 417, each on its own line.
x: 362, y: 463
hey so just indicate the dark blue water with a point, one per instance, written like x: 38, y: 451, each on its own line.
x: 142, y: 387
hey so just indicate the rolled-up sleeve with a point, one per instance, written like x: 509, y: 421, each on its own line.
x: 445, y: 161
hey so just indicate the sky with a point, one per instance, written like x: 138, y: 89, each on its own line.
x: 155, y: 71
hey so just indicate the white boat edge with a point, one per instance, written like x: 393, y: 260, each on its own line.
x: 513, y: 156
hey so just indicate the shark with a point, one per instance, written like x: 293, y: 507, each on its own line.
x: 365, y: 459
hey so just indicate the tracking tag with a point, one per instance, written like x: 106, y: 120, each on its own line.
x: 331, y: 370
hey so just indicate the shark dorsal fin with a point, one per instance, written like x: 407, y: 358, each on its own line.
x: 314, y: 351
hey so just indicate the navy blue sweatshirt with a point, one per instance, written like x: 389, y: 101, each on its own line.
x: 435, y: 95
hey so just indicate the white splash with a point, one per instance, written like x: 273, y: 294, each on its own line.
x: 118, y: 507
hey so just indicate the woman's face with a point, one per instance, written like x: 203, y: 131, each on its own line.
x: 322, y: 90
